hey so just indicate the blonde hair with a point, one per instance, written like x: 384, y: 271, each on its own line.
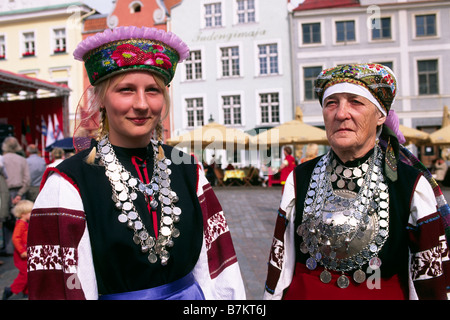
x: 97, y: 102
x: 22, y: 207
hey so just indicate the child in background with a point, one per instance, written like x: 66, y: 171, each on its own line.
x: 22, y: 212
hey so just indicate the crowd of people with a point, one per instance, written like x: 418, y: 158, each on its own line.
x: 365, y: 220
x: 21, y: 173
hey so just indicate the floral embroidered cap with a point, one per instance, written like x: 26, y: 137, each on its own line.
x: 379, y: 80
x: 130, y: 48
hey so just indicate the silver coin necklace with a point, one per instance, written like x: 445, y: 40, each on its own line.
x: 343, y: 229
x: 125, y: 188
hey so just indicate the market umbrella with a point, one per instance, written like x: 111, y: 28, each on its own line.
x: 441, y: 136
x: 414, y: 136
x: 292, y: 132
x: 211, y: 135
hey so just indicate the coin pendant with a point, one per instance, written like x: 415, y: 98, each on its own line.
x: 359, y: 276
x: 152, y: 258
x: 311, y: 263
x: 325, y: 276
x: 343, y: 282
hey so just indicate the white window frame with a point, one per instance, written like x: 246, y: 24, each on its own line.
x: 300, y: 32
x: 424, y: 13
x: 204, y: 3
x: 185, y: 109
x: 3, y: 47
x: 54, y: 38
x: 279, y: 57
x: 220, y: 96
x: 236, y: 17
x: 280, y: 105
x: 301, y: 77
x: 334, y: 30
x: 219, y: 60
x: 184, y: 69
x: 23, y: 40
x: 393, y: 31
x: 439, y: 60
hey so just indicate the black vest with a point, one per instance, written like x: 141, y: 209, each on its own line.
x: 394, y: 254
x: 119, y: 264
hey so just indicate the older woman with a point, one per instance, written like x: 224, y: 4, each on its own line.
x: 125, y: 219
x: 358, y: 223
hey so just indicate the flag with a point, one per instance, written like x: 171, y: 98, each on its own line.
x: 50, y: 132
x: 58, y: 134
x: 23, y: 136
x: 43, y: 127
x: 43, y: 133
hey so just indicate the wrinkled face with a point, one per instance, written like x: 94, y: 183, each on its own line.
x: 133, y: 106
x: 351, y: 124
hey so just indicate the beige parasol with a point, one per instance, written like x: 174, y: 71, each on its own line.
x: 414, y: 136
x: 442, y: 136
x: 292, y: 132
x: 212, y: 135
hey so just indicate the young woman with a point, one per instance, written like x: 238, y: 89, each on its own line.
x: 125, y: 218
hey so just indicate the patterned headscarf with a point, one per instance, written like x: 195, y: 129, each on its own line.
x: 379, y: 80
x: 130, y: 48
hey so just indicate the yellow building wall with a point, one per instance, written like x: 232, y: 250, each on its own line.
x: 46, y: 65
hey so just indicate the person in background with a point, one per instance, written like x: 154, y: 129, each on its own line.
x: 287, y: 165
x: 57, y: 156
x: 22, y: 212
x: 136, y: 221
x: 440, y: 170
x: 18, y: 181
x: 37, y: 166
x: 311, y: 152
x: 359, y: 222
x: 4, y: 205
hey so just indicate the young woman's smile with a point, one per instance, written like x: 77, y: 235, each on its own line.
x: 133, y: 106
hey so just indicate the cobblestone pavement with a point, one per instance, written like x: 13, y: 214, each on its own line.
x: 251, y: 214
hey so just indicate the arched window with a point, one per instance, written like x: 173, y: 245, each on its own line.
x: 135, y: 6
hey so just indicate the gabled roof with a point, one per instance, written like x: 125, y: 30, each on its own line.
x: 14, y: 83
x: 323, y: 4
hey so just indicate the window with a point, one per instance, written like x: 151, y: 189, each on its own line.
x: 135, y: 7
x: 59, y: 40
x: 270, y: 107
x: 382, y: 30
x: 230, y: 61
x: 246, y: 11
x: 2, y: 48
x: 194, y: 65
x: 428, y: 77
x: 268, y: 59
x: 426, y: 25
x: 232, y: 109
x: 213, y: 15
x: 311, y: 33
x: 194, y: 107
x: 28, y: 44
x: 345, y: 31
x: 309, y: 76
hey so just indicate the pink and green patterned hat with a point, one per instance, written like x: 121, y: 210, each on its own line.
x: 131, y: 48
x: 378, y: 79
